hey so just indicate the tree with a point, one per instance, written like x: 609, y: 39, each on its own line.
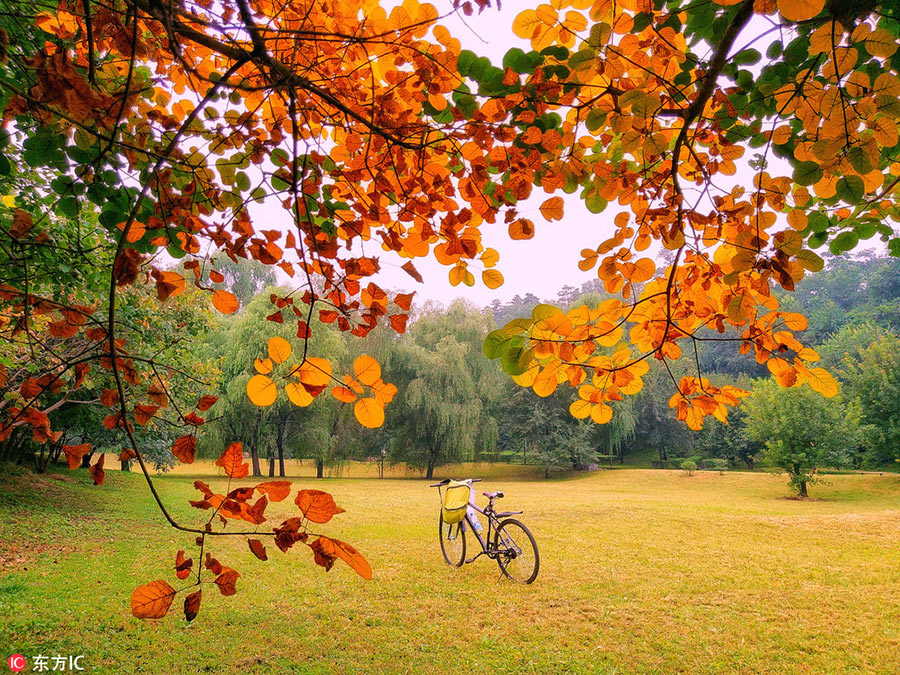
x: 803, y: 431
x: 867, y: 360
x: 447, y: 390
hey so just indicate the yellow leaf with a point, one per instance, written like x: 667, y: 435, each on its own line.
x: 261, y: 391
x: 800, y: 10
x: 367, y: 370
x: 580, y: 409
x: 552, y: 209
x: 279, y: 349
x: 822, y: 381
x: 492, y: 278
x: 315, y: 372
x: 490, y: 257
x: 457, y: 275
x: 263, y: 367
x: 297, y: 394
x: 601, y: 413
x: 369, y: 413
x: 694, y: 418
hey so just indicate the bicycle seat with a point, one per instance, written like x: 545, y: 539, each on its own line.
x: 493, y: 495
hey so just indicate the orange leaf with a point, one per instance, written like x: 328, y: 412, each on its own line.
x: 225, y: 302
x: 206, y: 402
x: 261, y: 391
x: 343, y: 394
x: 185, y: 448
x: 192, y: 605
x: 341, y: 549
x: 152, y: 601
x: 521, y: 229
x: 74, y: 453
x: 258, y: 549
x: 366, y: 369
x: 232, y: 460
x: 279, y: 349
x: 316, y: 505
x: 800, y: 10
x: 97, y: 472
x: 277, y: 490
x: 552, y: 209
x: 369, y: 413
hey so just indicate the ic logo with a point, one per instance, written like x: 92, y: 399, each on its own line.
x: 17, y: 663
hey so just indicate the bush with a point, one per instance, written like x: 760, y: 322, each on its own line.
x: 689, y: 466
x: 716, y: 464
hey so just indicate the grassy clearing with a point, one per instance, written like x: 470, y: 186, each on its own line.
x: 642, y: 571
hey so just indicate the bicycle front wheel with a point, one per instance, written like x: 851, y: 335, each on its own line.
x: 453, y: 542
x: 517, y: 552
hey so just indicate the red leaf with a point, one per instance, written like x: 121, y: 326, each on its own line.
x: 331, y: 548
x: 316, y: 505
x: 74, y: 453
x: 398, y: 322
x: 213, y: 565
x: 126, y: 454
x: 152, y: 601
x: 185, y: 449
x: 97, y: 472
x: 109, y: 397
x: 277, y: 490
x: 276, y: 317
x: 216, y: 277
x: 255, y: 514
x: 182, y: 566
x: 404, y: 300
x: 302, y: 330
x: 227, y: 581
x: 194, y: 419
x: 258, y: 549
x: 289, y: 533
x: 411, y: 270
x: 241, y: 494
x: 206, y: 402
x: 323, y: 554
x: 143, y: 413
x: 204, y: 488
x: 232, y: 460
x: 192, y: 605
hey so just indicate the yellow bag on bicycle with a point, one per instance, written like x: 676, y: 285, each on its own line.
x: 456, y: 500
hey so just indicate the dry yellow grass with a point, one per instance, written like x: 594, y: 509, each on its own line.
x: 641, y: 571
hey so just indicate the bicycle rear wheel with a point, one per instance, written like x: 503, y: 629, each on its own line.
x: 517, y: 552
x: 453, y: 542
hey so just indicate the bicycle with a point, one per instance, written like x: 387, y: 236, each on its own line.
x: 513, y: 545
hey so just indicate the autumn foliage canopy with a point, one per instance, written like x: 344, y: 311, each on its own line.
x: 738, y: 135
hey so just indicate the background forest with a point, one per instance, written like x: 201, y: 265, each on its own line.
x: 454, y: 405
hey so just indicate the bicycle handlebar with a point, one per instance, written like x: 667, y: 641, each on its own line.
x: 443, y: 482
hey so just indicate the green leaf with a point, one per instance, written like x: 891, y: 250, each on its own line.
x: 516, y: 359
x: 747, y: 57
x: 860, y: 160
x: 807, y: 173
x: 844, y: 242
x: 494, y: 344
x: 850, y: 189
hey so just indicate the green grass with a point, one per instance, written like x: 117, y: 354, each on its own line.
x: 641, y: 571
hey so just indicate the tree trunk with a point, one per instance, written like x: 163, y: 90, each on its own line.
x: 254, y: 458
x: 126, y: 464
x: 279, y: 443
x: 749, y: 463
x: 429, y: 474
x: 271, y: 464
x: 320, y: 468
x: 803, y: 491
x: 86, y: 460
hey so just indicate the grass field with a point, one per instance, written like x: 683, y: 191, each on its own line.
x: 641, y: 571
